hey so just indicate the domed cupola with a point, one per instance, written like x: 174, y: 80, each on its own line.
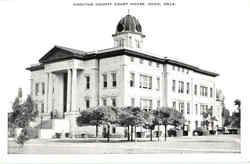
x: 128, y: 33
x: 129, y: 24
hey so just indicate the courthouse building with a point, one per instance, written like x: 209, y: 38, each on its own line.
x: 67, y: 81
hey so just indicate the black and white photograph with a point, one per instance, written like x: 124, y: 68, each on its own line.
x: 121, y: 79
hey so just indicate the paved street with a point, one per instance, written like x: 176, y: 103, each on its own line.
x: 198, y: 144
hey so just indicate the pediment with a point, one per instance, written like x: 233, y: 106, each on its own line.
x: 61, y: 53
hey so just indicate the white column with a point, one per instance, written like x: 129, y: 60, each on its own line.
x: 31, y: 87
x: 50, y: 93
x: 69, y: 91
x: 46, y: 93
x: 74, y: 91
x: 165, y: 86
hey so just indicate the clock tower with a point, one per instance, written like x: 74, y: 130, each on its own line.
x: 128, y: 33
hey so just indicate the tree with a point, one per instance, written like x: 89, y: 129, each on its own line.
x: 226, y: 119
x: 21, y: 116
x: 131, y: 117
x: 87, y: 118
x: 125, y: 118
x: 207, y: 117
x: 157, y: 121
x: 237, y: 102
x: 176, y: 118
x: 101, y: 115
x: 137, y: 119
x: 236, y: 116
x: 110, y: 116
x: 149, y: 122
x: 164, y: 115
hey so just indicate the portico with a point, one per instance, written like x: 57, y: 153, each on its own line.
x: 61, y: 92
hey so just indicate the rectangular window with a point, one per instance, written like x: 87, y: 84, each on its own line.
x: 131, y: 58
x: 188, y: 88
x: 146, y: 104
x: 211, y: 92
x: 87, y: 82
x: 121, y: 43
x: 181, y: 87
x: 150, y: 82
x: 203, y: 91
x: 37, y: 89
x: 203, y: 108
x: 141, y: 61
x: 87, y: 104
x: 212, y: 110
x: 173, y: 85
x: 196, y: 109
x: 36, y: 106
x: 174, y: 105
x: 141, y: 79
x: 114, y: 102
x: 188, y: 108
x: 132, y: 79
x: 42, y: 108
x: 150, y: 63
x: 157, y: 65
x: 113, y: 75
x: 132, y: 102
x: 173, y: 67
x: 195, y: 89
x: 178, y: 69
x: 181, y: 107
x: 104, y: 102
x: 137, y: 43
x: 158, y: 84
x: 105, y: 81
x: 43, y: 88
x: 150, y: 105
x: 145, y: 82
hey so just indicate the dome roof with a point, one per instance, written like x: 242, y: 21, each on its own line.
x: 129, y: 24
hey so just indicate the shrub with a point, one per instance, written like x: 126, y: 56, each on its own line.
x: 172, y: 132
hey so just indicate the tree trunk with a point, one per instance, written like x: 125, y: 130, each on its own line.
x: 108, y: 133
x: 165, y: 125
x: 151, y: 134
x: 131, y: 134
x: 128, y: 133
x: 158, y: 132
x: 96, y: 132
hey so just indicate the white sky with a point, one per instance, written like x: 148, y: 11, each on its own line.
x: 213, y: 35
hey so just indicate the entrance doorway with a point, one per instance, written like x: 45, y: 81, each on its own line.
x: 65, y: 84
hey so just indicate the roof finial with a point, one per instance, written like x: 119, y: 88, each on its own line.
x: 128, y: 11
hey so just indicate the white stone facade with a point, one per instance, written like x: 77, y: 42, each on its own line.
x: 70, y: 83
